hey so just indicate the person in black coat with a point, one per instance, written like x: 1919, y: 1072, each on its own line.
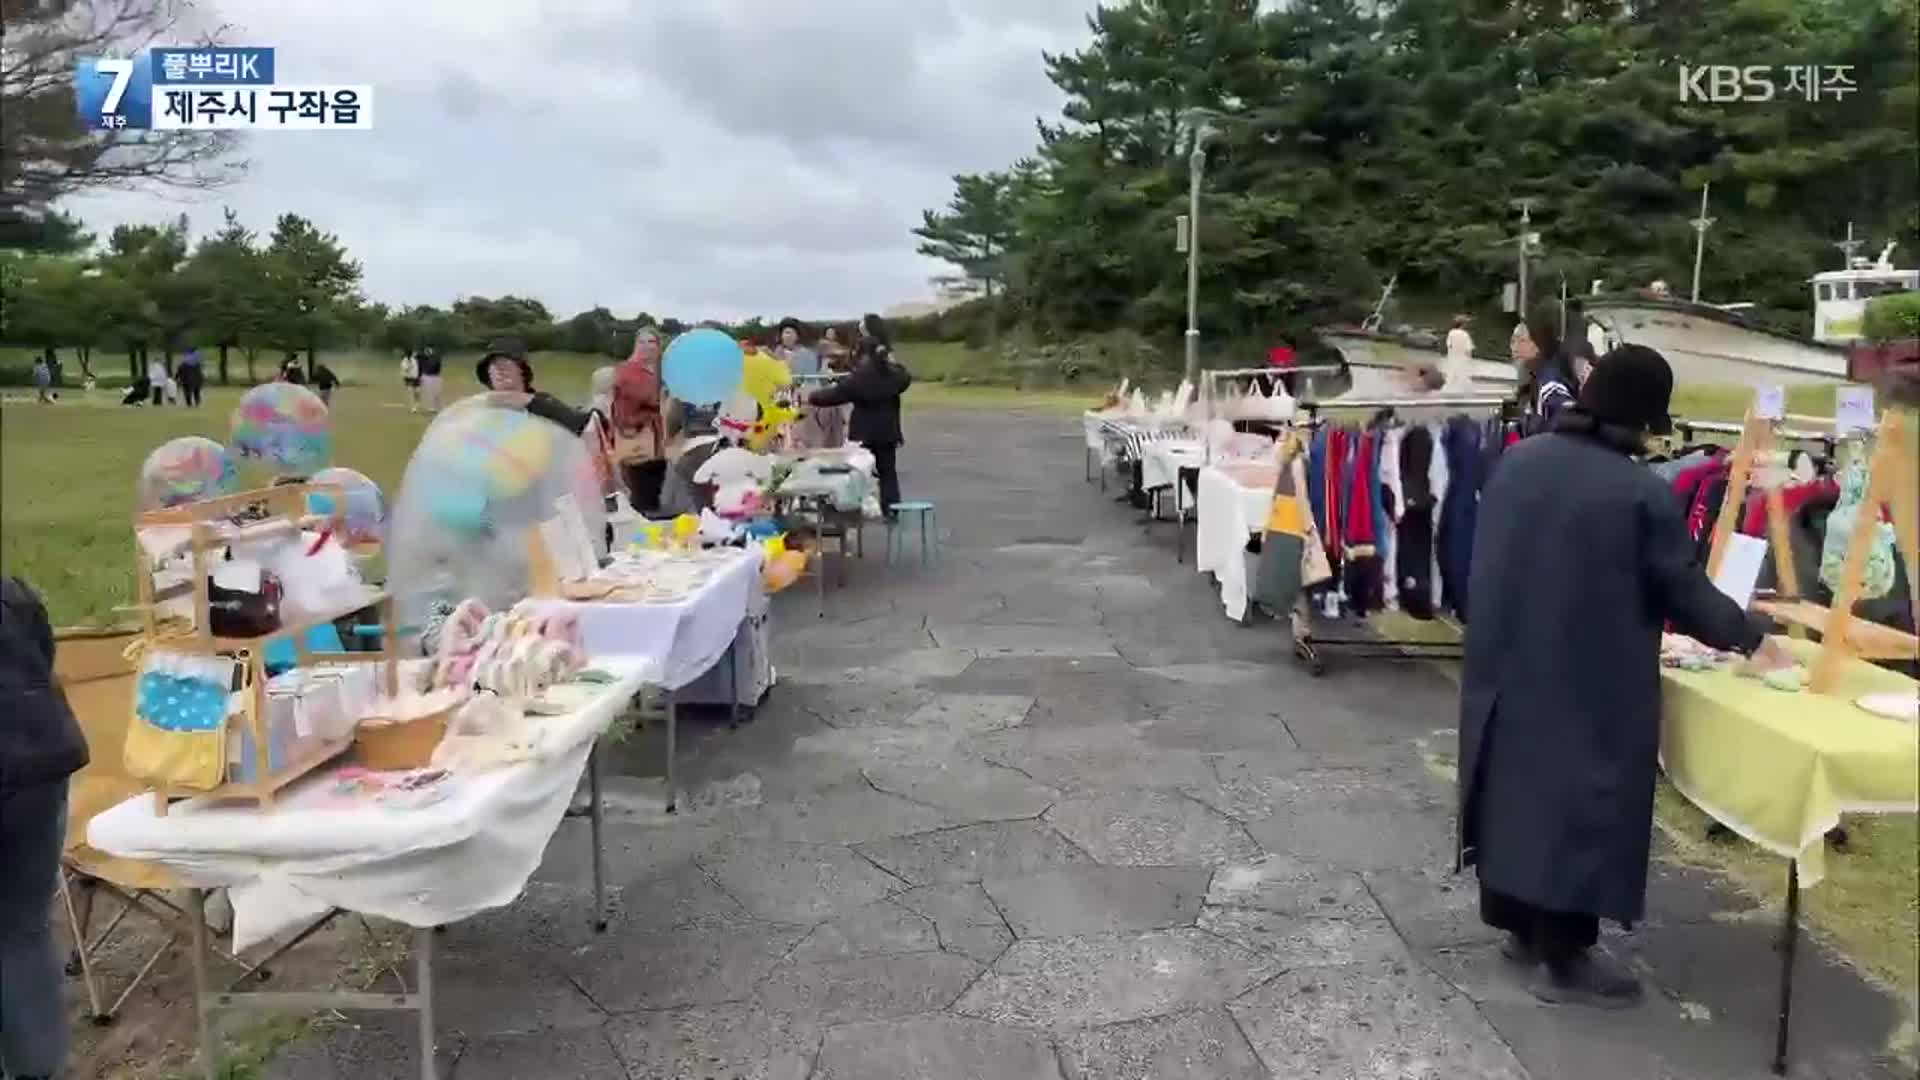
x: 1560, y: 699
x: 873, y: 388
x: 504, y: 370
x: 40, y: 747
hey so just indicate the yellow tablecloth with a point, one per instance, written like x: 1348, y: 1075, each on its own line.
x: 1779, y: 767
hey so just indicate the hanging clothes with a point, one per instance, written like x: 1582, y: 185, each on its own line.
x: 1413, y: 534
x: 1339, y: 453
x: 1389, y: 504
x: 1459, y: 515
x: 1317, y: 479
x: 1361, y: 566
x: 1440, y: 478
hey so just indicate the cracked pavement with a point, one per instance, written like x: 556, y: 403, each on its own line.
x: 1042, y: 813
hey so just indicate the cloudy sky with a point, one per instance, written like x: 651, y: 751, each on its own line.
x: 702, y: 158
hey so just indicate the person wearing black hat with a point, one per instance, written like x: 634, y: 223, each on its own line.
x: 1560, y: 697
x: 505, y: 372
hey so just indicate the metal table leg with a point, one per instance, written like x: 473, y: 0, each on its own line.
x: 733, y: 681
x: 1789, y: 937
x: 209, y: 1048
x: 423, y: 976
x: 595, y: 818
x: 673, y: 721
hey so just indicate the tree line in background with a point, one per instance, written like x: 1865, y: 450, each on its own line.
x: 1353, y: 141
x: 238, y: 294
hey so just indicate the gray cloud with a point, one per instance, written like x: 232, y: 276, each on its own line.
x: 697, y: 157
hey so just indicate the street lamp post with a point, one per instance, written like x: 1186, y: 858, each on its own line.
x: 1196, y: 167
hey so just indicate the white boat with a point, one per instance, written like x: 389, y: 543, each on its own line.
x: 1715, y: 343
x: 1377, y: 362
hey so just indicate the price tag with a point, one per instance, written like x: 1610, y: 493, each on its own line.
x: 1853, y: 410
x: 1770, y: 403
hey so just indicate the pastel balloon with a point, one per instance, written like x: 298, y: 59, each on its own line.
x: 284, y: 425
x: 478, y: 485
x: 187, y: 469
x: 363, y: 508
x: 703, y: 367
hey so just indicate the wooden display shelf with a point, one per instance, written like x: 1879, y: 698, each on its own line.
x: 261, y: 791
x: 1867, y: 640
x: 296, y: 625
x: 211, y: 527
x: 1892, y: 481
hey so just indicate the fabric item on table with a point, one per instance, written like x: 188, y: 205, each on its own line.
x: 1851, y: 513
x: 1413, y: 535
x: 1683, y: 652
x: 1459, y: 516
x: 1779, y: 769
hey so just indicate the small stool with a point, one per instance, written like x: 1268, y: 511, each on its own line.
x: 929, y: 549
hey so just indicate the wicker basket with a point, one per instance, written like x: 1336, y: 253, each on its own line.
x: 396, y: 746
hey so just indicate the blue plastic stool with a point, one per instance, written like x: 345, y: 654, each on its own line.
x: 929, y: 548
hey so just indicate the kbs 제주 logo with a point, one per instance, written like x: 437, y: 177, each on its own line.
x: 210, y: 89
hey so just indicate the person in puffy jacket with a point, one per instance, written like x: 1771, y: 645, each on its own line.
x: 40, y: 747
x: 873, y: 388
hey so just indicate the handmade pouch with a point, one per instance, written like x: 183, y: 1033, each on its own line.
x: 1852, y: 512
x: 178, y: 734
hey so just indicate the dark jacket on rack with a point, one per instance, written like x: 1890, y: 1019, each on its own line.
x: 1560, y: 698
x: 873, y: 388
x: 39, y: 741
x: 1413, y: 539
x: 1466, y: 472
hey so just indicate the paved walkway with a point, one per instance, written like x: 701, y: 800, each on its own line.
x: 1043, y: 813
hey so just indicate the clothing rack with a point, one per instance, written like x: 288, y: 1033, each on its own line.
x: 1310, y: 647
x: 1210, y: 377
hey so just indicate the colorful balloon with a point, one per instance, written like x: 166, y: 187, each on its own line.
x: 364, y: 509
x: 284, y: 425
x: 480, y: 482
x: 184, y: 470
x: 703, y: 367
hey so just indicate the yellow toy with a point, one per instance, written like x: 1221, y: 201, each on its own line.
x: 685, y: 528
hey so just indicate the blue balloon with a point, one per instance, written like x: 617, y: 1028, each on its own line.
x: 703, y: 367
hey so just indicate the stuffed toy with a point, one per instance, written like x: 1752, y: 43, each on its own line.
x: 738, y: 476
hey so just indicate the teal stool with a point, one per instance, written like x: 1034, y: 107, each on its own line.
x: 929, y: 531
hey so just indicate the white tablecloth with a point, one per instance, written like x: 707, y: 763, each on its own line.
x: 672, y: 644
x: 1234, y: 503
x: 315, y: 850
x: 1161, y: 462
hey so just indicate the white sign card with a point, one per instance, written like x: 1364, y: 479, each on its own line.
x: 1770, y: 403
x: 1740, y: 567
x: 1853, y: 410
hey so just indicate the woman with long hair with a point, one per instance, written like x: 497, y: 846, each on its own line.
x: 1546, y: 381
